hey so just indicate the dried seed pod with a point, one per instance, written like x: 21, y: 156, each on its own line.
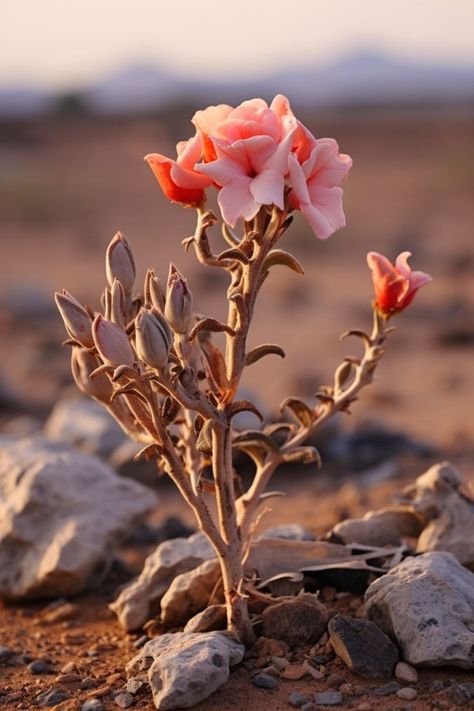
x: 112, y: 343
x: 153, y: 339
x: 120, y: 264
x: 77, y: 321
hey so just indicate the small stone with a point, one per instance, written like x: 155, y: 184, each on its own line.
x: 5, y: 652
x: 52, y: 697
x: 346, y: 690
x: 328, y: 698
x: 294, y: 672
x: 315, y: 673
x: 275, y: 648
x: 387, y: 689
x: 407, y: 693
x: 320, y: 659
x: 271, y: 670
x: 125, y: 700
x: 67, y: 678
x: 88, y: 683
x: 364, y: 706
x: 362, y: 646
x: 334, y: 680
x: 64, y: 611
x: 405, y: 672
x: 140, y: 641
x: 68, y: 668
x: 435, y: 686
x: 134, y: 685
x: 279, y: 662
x: 37, y: 667
x: 308, y: 707
x: 297, y: 699
x: 265, y: 681
x: 93, y: 705
x: 298, y: 621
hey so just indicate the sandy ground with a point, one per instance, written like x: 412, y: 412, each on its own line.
x: 67, y: 186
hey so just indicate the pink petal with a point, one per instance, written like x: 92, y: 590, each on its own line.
x: 207, y: 119
x: 223, y: 170
x: 380, y: 265
x: 279, y: 160
x: 268, y: 188
x: 298, y: 181
x: 189, y: 152
x: 186, y: 178
x: 327, y: 202
x: 236, y: 200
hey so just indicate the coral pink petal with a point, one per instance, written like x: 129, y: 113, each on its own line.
x: 207, y: 119
x: 328, y: 201
x: 418, y: 279
x: 185, y: 178
x: 268, y: 188
x: 223, y: 170
x: 379, y: 264
x: 298, y: 181
x: 189, y: 152
x: 236, y: 200
x: 279, y: 160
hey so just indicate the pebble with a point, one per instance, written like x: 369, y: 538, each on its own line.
x: 297, y: 699
x: 134, y: 685
x: 5, y: 652
x: 265, y: 681
x: 37, y: 667
x: 387, y: 689
x: 328, y: 698
x: 124, y: 700
x: 140, y: 641
x: 93, y: 705
x: 405, y: 672
x: 52, y: 697
x: 280, y: 662
x: 364, y: 706
x: 88, y: 683
x: 334, y: 680
x: 407, y: 693
x: 67, y: 678
x: 69, y: 668
x: 308, y: 707
x: 65, y: 611
x: 320, y: 659
x: 271, y: 670
x: 346, y: 690
x: 315, y: 673
x: 435, y: 686
x: 295, y: 672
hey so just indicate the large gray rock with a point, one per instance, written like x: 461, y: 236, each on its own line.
x: 362, y: 646
x: 140, y: 600
x: 189, y: 593
x: 380, y: 528
x: 86, y: 425
x: 185, y: 668
x: 61, y: 513
x: 427, y: 605
x: 440, y: 495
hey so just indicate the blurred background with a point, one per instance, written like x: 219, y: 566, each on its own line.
x: 88, y: 88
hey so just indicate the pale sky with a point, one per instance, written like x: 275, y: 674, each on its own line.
x: 68, y: 43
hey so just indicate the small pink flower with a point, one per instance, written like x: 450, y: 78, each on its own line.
x: 316, y: 183
x: 178, y: 179
x: 395, y: 285
x: 252, y: 145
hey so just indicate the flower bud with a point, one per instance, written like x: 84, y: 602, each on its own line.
x: 77, y: 321
x: 153, y: 339
x: 112, y: 343
x: 396, y: 284
x: 154, y: 293
x: 119, y: 263
x: 117, y: 303
x: 83, y: 363
x: 179, y: 302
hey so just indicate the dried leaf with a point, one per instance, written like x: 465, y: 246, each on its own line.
x: 235, y: 254
x: 280, y: 257
x: 204, y: 440
x: 260, y: 351
x: 170, y: 409
x: 359, y: 334
x: 302, y: 412
x: 244, y: 406
x: 304, y: 455
x: 148, y: 452
x: 210, y: 324
x: 216, y: 363
x: 278, y: 426
x: 255, y: 438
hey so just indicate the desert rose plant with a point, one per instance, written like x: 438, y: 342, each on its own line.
x: 151, y: 360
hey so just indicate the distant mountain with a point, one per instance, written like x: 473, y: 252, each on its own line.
x: 360, y: 78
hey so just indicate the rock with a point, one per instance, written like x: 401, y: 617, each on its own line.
x: 93, y: 705
x: 315, y: 673
x: 189, y: 593
x: 140, y: 600
x: 461, y: 694
x: 328, y: 698
x: 52, y: 697
x: 387, y: 689
x: 61, y: 514
x: 85, y: 424
x: 427, y: 605
x: 5, y: 652
x: 185, y: 668
x: 404, y: 672
x: 334, y: 680
x: 379, y: 528
x: 135, y: 685
x: 124, y: 701
x: 298, y: 621
x: 362, y: 646
x: 407, y: 693
x: 212, y: 618
x: 288, y: 532
x: 297, y: 699
x: 294, y: 672
x: 37, y: 667
x: 440, y: 496
x: 265, y: 681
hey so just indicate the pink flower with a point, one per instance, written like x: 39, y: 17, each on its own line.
x: 395, y: 285
x: 252, y: 145
x: 178, y: 179
x: 316, y: 183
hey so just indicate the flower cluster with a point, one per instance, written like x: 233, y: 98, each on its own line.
x: 257, y: 155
